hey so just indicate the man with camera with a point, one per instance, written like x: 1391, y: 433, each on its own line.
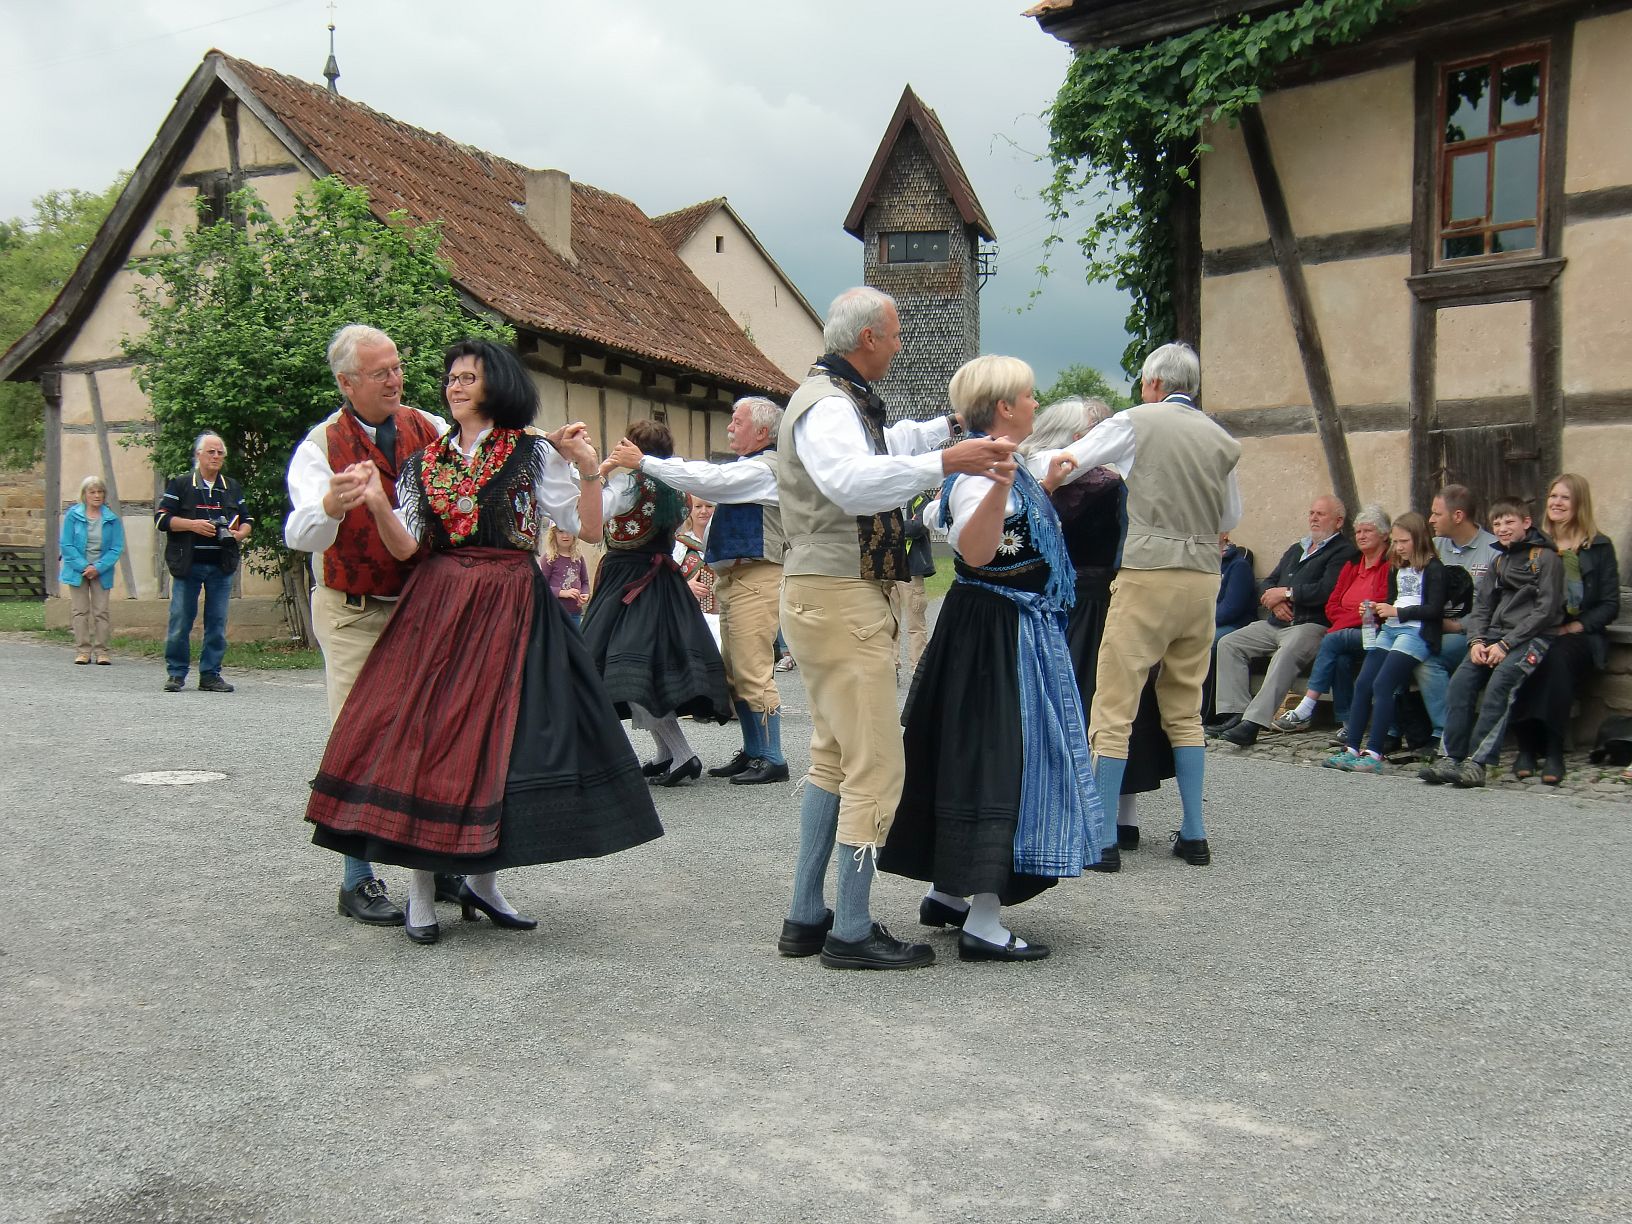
x: 204, y: 517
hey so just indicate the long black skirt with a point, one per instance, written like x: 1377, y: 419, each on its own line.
x: 1546, y: 698
x: 572, y: 786
x: 656, y: 650
x: 1150, y: 756
x: 960, y: 806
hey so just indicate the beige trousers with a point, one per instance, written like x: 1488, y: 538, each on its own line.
x: 88, y: 614
x: 747, y: 594
x: 844, y: 634
x: 912, y: 610
x: 1156, y: 616
x: 345, y: 635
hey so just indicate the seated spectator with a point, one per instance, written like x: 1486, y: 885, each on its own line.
x: 1592, y: 601
x: 1363, y: 580
x: 1467, y: 550
x: 1412, y: 607
x: 1237, y: 600
x: 1519, y: 600
x: 1294, y: 601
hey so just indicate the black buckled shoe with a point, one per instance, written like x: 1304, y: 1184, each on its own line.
x: 880, y: 950
x: 1110, y: 861
x: 973, y: 948
x: 448, y: 886
x: 688, y: 772
x: 1192, y: 850
x: 734, y: 766
x: 1127, y: 837
x: 652, y: 769
x: 761, y: 771
x: 368, y: 903
x: 933, y: 913
x: 804, y: 938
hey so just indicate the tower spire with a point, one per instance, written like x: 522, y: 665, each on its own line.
x: 331, y: 70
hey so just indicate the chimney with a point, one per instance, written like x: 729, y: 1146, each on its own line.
x: 548, y: 209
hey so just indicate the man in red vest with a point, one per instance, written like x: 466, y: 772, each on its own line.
x: 357, y: 580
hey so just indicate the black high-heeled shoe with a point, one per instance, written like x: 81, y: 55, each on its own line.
x: 690, y: 771
x: 652, y: 769
x: 421, y: 934
x: 470, y: 902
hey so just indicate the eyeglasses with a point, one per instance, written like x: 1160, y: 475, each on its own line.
x: 465, y: 378
x: 384, y: 373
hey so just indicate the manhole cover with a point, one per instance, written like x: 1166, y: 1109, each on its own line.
x: 174, y: 777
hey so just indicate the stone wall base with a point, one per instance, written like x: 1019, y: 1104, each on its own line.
x: 249, y: 620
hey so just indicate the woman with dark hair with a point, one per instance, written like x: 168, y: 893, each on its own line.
x: 1592, y: 601
x: 478, y: 736
x: 643, y: 626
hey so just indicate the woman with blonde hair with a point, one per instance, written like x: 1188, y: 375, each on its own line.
x: 1592, y: 601
x: 90, y: 544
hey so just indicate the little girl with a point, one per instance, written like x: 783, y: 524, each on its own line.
x: 565, y: 572
x: 1410, y: 633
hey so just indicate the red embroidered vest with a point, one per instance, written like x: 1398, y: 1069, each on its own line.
x: 358, y: 563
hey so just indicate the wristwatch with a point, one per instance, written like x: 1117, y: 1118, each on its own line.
x: 954, y: 428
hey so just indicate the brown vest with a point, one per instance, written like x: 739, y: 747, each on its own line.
x: 358, y: 563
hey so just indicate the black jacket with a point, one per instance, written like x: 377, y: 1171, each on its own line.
x: 1521, y: 595
x: 920, y: 553
x: 1431, y: 611
x: 1311, y: 580
x: 1600, y: 596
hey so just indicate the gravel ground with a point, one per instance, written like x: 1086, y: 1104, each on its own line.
x: 1382, y: 1002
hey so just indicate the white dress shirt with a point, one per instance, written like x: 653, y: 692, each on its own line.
x: 745, y: 479
x: 967, y: 494
x: 833, y: 445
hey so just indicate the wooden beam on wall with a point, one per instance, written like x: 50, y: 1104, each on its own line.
x: 1333, y: 441
x: 105, y: 449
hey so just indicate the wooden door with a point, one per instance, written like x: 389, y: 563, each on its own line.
x: 1492, y: 460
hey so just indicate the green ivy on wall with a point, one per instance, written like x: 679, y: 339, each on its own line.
x: 1125, y: 137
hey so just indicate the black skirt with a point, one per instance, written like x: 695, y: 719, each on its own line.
x: 655, y: 651
x: 1150, y: 756
x: 1548, y: 695
x: 960, y: 806
x: 572, y: 787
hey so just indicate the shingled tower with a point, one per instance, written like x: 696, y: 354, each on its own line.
x: 921, y: 228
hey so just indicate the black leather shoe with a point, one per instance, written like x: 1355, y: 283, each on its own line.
x: 652, y: 769
x: 470, y: 902
x: 733, y: 767
x: 1194, y: 852
x: 368, y: 903
x: 973, y: 948
x: 423, y: 935
x: 1127, y: 837
x: 933, y: 913
x: 448, y: 886
x: 1225, y: 722
x: 688, y: 772
x: 880, y: 950
x: 761, y: 771
x: 804, y: 938
x: 1243, y: 735
x: 1110, y: 861
x: 213, y: 684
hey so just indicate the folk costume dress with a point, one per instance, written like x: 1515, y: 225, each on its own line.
x: 1093, y: 519
x: 644, y: 630
x: 999, y: 796
x: 478, y: 736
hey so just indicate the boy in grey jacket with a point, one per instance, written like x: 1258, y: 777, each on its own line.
x: 1518, y: 600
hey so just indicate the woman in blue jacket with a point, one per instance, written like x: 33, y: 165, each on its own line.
x: 92, y: 539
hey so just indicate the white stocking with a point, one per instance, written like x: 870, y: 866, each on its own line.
x: 983, y: 923
x: 486, y: 886
x: 421, y: 898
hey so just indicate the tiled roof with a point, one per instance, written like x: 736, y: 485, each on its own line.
x: 912, y: 109
x: 679, y: 225
x: 629, y: 291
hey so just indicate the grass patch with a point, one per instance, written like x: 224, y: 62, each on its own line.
x: 940, y: 582
x: 264, y: 656
x: 22, y: 615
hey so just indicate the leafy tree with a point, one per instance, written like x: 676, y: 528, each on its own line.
x: 239, y: 315
x: 37, y: 255
x: 1087, y: 382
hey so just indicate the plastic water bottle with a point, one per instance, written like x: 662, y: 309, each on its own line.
x: 1368, y: 625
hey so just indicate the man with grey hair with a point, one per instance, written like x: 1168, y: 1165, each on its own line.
x: 842, y: 478
x: 203, y: 517
x: 1294, y: 622
x: 744, y: 547
x: 356, y: 581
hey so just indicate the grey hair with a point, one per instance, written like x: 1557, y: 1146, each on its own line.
x: 1177, y: 366
x: 199, y: 441
x: 1337, y: 504
x: 344, y: 344
x: 763, y: 413
x: 89, y: 483
x: 853, y: 312
x: 1063, y: 422
x: 1372, y: 515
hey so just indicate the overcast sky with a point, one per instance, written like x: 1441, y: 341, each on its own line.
x: 777, y: 104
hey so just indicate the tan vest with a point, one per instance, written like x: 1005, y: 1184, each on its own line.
x: 822, y: 538
x: 1177, y: 489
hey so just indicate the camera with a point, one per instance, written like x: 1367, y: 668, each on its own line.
x: 222, y: 526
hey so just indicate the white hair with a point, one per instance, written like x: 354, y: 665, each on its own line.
x: 853, y: 312
x: 1370, y: 516
x: 1177, y: 366
x: 762, y: 413
x: 1063, y: 422
x: 89, y: 483
x: 344, y: 344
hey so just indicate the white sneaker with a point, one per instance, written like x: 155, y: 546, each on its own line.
x: 1291, y: 720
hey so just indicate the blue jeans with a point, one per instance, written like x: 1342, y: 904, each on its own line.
x: 184, y: 610
x: 1335, y: 667
x: 1434, y: 677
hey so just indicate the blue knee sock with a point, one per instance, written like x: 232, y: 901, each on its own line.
x: 1108, y: 773
x: 818, y: 824
x: 771, y: 744
x: 752, y: 744
x: 357, y: 870
x: 1189, y: 765
x: 852, y: 907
